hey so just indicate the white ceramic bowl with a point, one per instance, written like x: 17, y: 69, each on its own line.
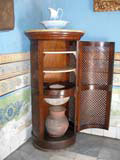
x: 57, y: 101
x: 54, y: 24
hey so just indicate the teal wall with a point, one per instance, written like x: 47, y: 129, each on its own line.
x: 103, y: 26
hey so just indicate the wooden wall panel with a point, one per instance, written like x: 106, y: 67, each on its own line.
x: 106, y: 5
x: 6, y: 14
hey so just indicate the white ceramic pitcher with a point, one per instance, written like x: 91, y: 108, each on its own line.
x: 55, y: 14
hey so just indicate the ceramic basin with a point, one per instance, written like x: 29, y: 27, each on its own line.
x: 54, y: 24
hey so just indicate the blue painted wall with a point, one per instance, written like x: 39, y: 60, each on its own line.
x: 101, y: 26
x: 27, y: 15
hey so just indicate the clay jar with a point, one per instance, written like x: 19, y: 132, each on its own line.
x: 56, y: 122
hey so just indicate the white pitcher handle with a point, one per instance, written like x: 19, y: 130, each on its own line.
x: 60, y: 12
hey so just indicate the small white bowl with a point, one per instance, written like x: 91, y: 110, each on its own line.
x: 57, y: 101
x: 54, y: 24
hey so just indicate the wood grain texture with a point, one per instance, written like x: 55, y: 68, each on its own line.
x: 95, y: 84
x: 106, y: 5
x: 42, y: 42
x: 6, y: 14
x: 66, y: 91
x: 54, y: 35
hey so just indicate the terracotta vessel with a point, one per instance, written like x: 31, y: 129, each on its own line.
x: 56, y: 122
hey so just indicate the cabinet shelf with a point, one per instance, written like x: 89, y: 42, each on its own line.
x: 59, y: 70
x: 61, y: 52
x: 66, y: 91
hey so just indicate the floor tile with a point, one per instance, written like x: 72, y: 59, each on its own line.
x: 112, y: 143
x: 96, y: 147
x: 18, y: 155
x: 67, y: 154
x: 57, y: 157
x: 88, y: 145
x: 108, y: 154
x: 39, y: 155
x: 28, y: 147
x: 84, y: 157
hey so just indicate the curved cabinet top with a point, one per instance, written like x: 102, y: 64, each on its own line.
x: 54, y: 34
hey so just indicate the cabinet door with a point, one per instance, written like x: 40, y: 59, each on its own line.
x: 94, y: 84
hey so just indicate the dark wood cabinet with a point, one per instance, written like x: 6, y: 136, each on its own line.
x: 85, y: 70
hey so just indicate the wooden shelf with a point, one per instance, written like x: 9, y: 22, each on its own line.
x: 59, y: 70
x: 66, y: 91
x: 61, y: 52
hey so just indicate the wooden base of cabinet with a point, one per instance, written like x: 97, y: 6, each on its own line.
x: 51, y: 143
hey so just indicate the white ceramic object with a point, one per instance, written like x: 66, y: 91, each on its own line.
x: 54, y: 24
x: 55, y: 14
x: 58, y: 86
x: 57, y: 101
x: 55, y: 30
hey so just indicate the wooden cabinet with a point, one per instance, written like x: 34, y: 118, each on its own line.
x: 58, y: 57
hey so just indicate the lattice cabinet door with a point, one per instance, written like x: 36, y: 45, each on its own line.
x: 94, y: 84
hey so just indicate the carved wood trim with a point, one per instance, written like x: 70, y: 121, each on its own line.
x: 106, y: 5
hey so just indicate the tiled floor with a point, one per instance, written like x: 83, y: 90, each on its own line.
x: 100, y: 148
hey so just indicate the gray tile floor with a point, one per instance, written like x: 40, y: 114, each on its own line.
x: 100, y: 148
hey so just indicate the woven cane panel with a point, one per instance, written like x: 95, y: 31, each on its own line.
x: 96, y: 52
x: 93, y: 108
x: 94, y: 78
x: 92, y: 65
x: 96, y: 69
x: 95, y: 65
